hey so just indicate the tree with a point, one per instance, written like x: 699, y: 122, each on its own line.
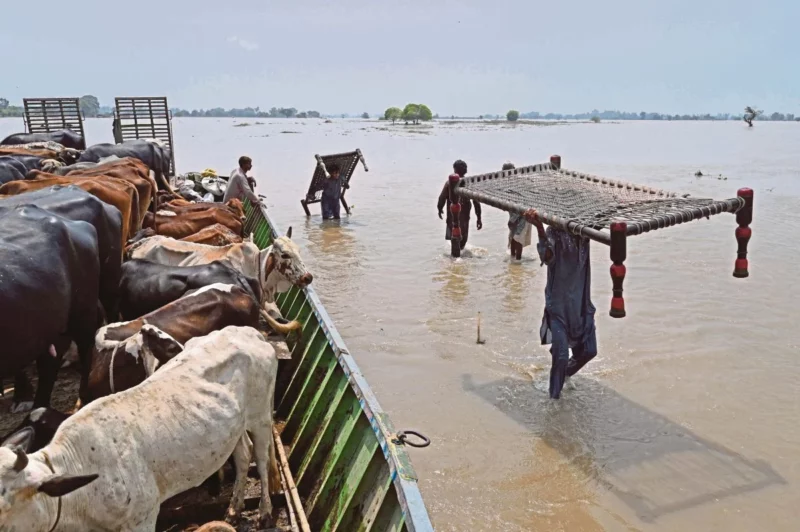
x: 3, y: 103
x: 642, y: 116
x: 411, y: 113
x: 425, y: 113
x: 302, y: 115
x: 89, y: 105
x: 393, y: 114
x: 313, y: 114
x: 596, y: 119
x: 750, y: 115
x: 512, y: 115
x: 365, y: 115
x: 777, y: 117
x: 288, y: 112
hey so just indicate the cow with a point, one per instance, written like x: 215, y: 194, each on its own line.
x: 49, y: 284
x: 116, y: 192
x: 150, y: 153
x: 234, y: 206
x: 65, y: 137
x: 75, y: 204
x: 277, y: 267
x: 214, y: 235
x: 46, y: 150
x: 111, y: 465
x: 147, y: 286
x: 12, y: 169
x: 44, y: 422
x: 181, y: 225
x: 118, y: 362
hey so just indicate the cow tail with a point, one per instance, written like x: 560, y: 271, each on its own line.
x: 278, y: 327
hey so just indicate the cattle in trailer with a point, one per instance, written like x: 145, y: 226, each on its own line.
x: 277, y: 267
x: 182, y: 225
x: 44, y: 423
x: 153, y: 154
x: 116, y: 192
x: 12, y: 169
x: 214, y: 235
x: 75, y: 204
x: 49, y: 283
x: 65, y: 137
x: 147, y: 286
x: 110, y: 466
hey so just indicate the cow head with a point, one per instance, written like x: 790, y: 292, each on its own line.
x: 51, y: 165
x: 158, y: 345
x: 282, y: 267
x: 27, y: 483
x: 69, y: 156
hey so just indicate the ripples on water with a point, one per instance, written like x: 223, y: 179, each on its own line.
x: 686, y: 420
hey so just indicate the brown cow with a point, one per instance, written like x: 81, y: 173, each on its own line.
x: 121, y: 360
x: 214, y: 235
x: 178, y: 226
x: 128, y: 169
x: 118, y: 193
x: 234, y: 206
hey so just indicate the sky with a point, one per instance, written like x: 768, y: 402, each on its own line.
x: 459, y: 57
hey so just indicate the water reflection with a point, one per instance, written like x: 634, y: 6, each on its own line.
x: 455, y: 279
x: 653, y: 465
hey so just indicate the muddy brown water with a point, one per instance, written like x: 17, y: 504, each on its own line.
x: 686, y: 420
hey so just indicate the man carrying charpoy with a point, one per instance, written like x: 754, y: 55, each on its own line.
x: 568, y: 321
x: 519, y: 230
x: 332, y: 193
x: 460, y: 168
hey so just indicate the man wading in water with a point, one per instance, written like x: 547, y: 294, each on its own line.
x: 568, y: 321
x: 331, y: 192
x: 459, y: 167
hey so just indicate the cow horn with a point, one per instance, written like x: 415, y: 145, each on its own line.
x: 22, y: 459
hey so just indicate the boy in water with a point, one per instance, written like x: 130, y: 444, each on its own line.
x: 331, y: 192
x: 459, y: 167
x: 568, y: 321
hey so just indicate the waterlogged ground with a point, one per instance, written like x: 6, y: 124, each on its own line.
x: 687, y: 418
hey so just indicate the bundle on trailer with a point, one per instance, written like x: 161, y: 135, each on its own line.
x: 604, y: 210
x: 347, y: 163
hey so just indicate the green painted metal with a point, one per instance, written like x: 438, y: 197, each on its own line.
x: 349, y: 472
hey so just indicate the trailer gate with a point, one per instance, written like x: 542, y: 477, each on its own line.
x: 45, y: 115
x: 144, y: 118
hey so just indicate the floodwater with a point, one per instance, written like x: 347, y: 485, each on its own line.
x: 686, y: 420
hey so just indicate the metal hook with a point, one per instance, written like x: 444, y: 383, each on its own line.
x: 402, y: 438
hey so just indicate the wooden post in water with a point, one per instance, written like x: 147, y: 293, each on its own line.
x: 555, y: 160
x: 743, y: 233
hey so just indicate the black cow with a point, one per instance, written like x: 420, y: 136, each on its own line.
x: 43, y: 422
x: 153, y: 155
x: 74, y: 203
x: 11, y: 169
x: 49, y: 279
x: 65, y: 137
x: 147, y: 286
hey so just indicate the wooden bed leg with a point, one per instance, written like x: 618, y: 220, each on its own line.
x: 555, y: 160
x: 344, y: 204
x: 618, y: 256
x: 743, y: 233
x: 455, y: 211
x: 305, y: 207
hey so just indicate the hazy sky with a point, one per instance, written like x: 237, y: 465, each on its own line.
x: 459, y: 57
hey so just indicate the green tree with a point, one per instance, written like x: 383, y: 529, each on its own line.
x: 425, y: 113
x: 3, y: 103
x: 411, y: 113
x: 313, y: 114
x: 393, y: 114
x: 89, y: 105
x: 642, y: 115
x: 512, y: 115
x: 750, y: 114
x: 596, y: 119
x: 365, y: 115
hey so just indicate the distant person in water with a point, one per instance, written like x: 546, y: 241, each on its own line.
x: 568, y: 321
x: 241, y: 186
x: 331, y: 193
x: 519, y: 230
x: 459, y: 167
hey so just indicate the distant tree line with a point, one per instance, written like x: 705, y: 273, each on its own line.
x: 621, y: 115
x: 247, y: 112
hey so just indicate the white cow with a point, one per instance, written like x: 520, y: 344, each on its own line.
x: 277, y: 267
x: 111, y: 465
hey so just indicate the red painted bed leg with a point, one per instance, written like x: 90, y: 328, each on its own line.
x: 618, y: 255
x: 455, y: 211
x: 555, y: 160
x: 743, y: 233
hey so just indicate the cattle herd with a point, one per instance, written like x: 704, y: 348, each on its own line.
x: 168, y: 306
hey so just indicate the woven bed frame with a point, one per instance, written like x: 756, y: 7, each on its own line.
x: 603, y: 210
x: 347, y: 166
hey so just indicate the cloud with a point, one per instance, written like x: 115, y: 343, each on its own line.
x: 247, y: 45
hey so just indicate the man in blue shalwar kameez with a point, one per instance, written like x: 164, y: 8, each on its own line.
x: 568, y: 321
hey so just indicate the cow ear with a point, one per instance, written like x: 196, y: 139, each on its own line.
x: 22, y: 438
x: 64, y: 484
x: 161, y: 345
x: 289, y: 233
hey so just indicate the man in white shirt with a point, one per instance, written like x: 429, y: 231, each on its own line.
x: 239, y: 185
